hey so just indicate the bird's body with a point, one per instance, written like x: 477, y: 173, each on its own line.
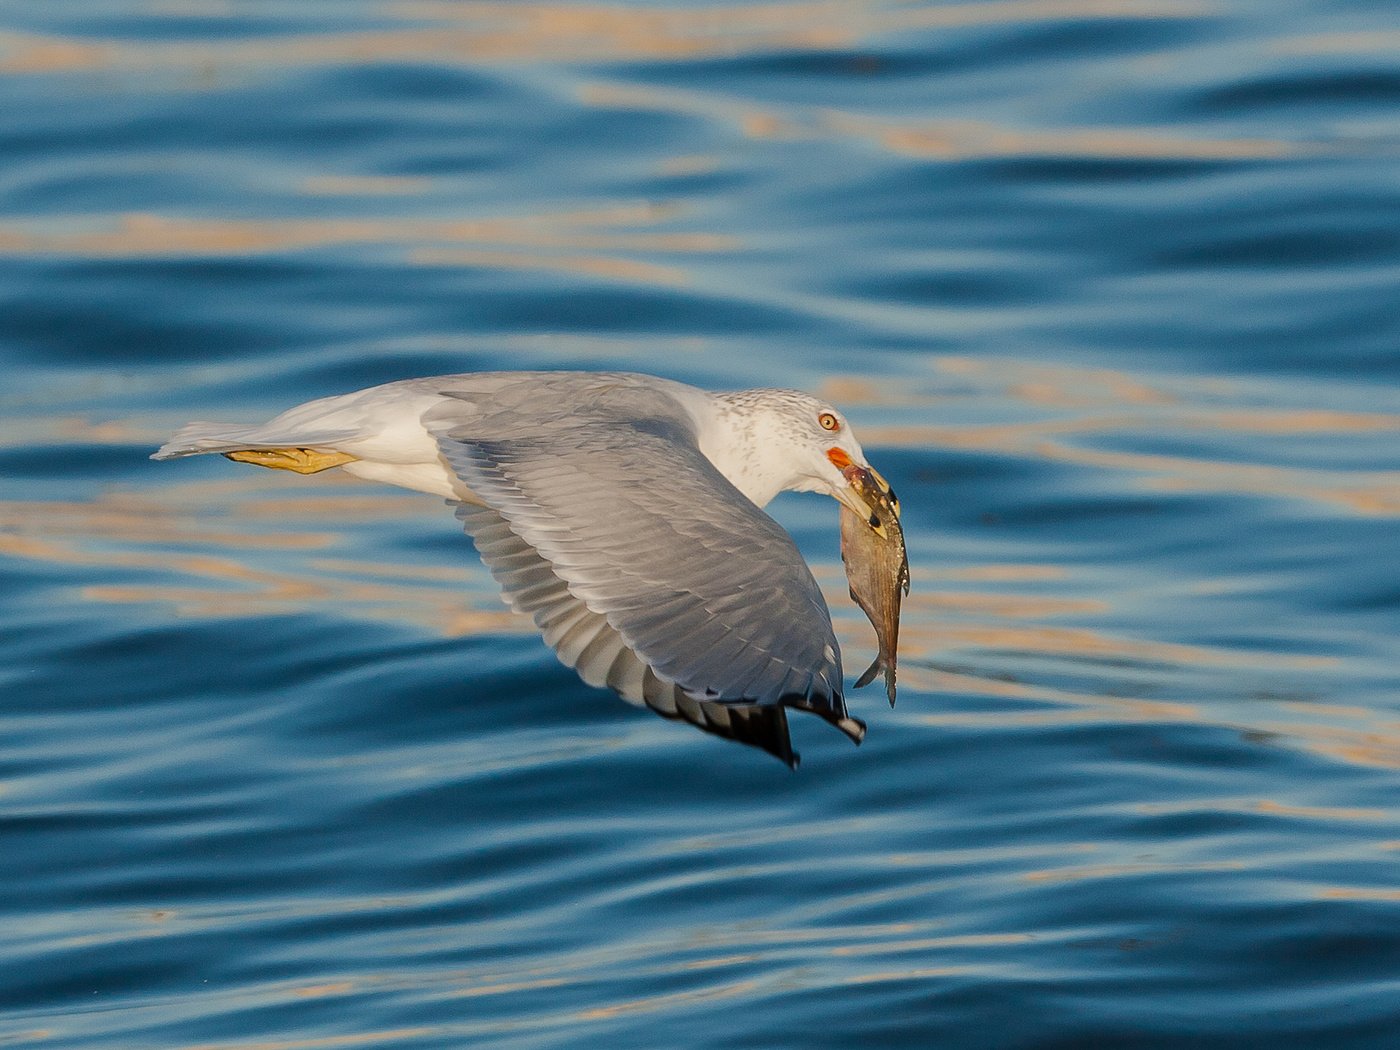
x: 620, y: 511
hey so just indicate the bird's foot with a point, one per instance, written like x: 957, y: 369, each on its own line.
x: 300, y: 460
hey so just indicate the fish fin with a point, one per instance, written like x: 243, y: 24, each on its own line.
x: 870, y: 673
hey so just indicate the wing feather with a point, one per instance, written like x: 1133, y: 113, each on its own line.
x: 673, y: 601
x: 607, y: 660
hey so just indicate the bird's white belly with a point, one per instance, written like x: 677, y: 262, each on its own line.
x: 386, y: 431
x: 392, y: 445
x: 432, y: 478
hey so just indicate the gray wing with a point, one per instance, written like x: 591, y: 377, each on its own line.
x: 585, y: 641
x: 638, y: 559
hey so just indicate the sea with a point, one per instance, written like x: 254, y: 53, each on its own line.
x: 1109, y: 291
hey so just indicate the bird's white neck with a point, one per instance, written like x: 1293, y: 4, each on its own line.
x: 743, y: 445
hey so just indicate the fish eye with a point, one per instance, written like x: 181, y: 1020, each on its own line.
x: 828, y: 421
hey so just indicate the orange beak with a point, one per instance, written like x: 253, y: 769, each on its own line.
x: 855, y: 477
x: 865, y: 486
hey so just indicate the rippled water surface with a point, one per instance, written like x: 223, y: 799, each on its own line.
x: 1109, y: 290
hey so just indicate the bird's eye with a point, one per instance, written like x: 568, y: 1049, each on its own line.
x: 828, y: 421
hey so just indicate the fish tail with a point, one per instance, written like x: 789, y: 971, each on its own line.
x: 870, y: 673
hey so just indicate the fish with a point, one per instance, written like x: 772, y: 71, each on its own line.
x: 877, y: 568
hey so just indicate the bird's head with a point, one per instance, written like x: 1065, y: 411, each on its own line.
x: 795, y: 441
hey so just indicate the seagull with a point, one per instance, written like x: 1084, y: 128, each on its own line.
x: 622, y: 513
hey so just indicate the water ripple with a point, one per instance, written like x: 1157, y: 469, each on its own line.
x: 1105, y: 287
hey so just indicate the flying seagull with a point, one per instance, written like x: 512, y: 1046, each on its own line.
x: 622, y: 513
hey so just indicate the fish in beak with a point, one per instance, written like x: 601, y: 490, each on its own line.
x: 877, y: 563
x: 866, y: 493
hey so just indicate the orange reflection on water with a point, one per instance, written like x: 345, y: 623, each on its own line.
x: 1203, y: 402
x: 541, y: 241
x: 1372, y: 493
x: 151, y: 532
x: 753, y: 121
x: 460, y: 33
x: 45, y: 525
x: 1004, y: 606
x: 1272, y: 807
x: 1079, y: 402
x: 1087, y: 642
x: 1117, y: 871
x: 532, y: 984
x: 584, y: 265
x: 962, y: 140
x: 1376, y: 745
x: 935, y: 140
x: 588, y: 243
x: 1359, y: 893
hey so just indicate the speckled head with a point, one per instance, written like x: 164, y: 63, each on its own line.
x: 768, y: 441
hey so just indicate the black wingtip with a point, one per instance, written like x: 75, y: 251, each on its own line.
x: 762, y: 726
x: 834, y: 715
x: 854, y: 729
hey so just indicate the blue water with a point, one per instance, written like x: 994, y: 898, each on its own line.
x: 1108, y: 289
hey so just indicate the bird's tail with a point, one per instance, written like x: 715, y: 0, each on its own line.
x: 194, y: 439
